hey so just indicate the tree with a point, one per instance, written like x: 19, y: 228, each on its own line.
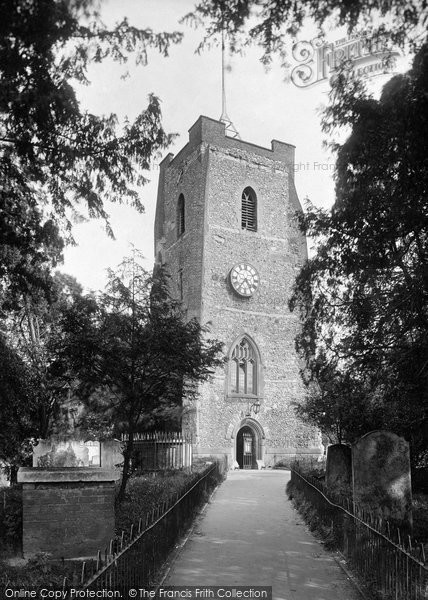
x: 34, y: 332
x: 363, y: 296
x: 339, y: 400
x: 54, y: 157
x: 34, y: 380
x: 133, y: 342
x: 17, y: 410
x: 272, y: 24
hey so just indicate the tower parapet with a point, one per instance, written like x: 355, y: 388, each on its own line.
x: 210, y: 131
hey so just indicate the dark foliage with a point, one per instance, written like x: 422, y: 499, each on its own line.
x: 272, y: 25
x: 18, y: 409
x: 363, y: 296
x: 11, y: 520
x: 54, y: 157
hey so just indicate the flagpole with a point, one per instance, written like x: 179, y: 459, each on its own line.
x: 230, y: 128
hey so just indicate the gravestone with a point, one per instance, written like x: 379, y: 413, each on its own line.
x: 67, y: 512
x: 69, y: 452
x: 381, y: 476
x: 111, y: 454
x: 66, y: 452
x: 338, y: 470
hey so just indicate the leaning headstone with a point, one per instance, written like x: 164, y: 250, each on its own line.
x: 381, y: 476
x: 338, y: 470
x: 67, y: 512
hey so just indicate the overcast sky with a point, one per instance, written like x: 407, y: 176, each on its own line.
x: 261, y: 104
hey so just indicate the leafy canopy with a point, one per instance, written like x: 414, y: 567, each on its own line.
x: 363, y: 296
x: 272, y: 24
x: 56, y: 158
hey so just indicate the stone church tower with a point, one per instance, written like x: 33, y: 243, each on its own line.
x: 226, y: 229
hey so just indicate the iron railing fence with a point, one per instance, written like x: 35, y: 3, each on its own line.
x: 161, y: 451
x: 388, y: 562
x: 133, y: 559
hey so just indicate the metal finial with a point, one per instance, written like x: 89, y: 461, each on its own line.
x: 230, y: 128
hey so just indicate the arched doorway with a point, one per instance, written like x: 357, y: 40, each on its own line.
x: 246, y: 448
x: 259, y: 435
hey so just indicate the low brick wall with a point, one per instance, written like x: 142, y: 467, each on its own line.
x: 67, y: 512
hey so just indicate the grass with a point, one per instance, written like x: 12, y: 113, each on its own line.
x: 310, y: 516
x: 37, y: 572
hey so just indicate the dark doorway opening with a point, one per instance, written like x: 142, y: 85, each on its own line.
x: 246, y: 448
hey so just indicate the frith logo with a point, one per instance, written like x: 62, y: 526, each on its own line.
x: 318, y: 60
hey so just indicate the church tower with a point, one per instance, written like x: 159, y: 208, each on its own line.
x: 226, y: 229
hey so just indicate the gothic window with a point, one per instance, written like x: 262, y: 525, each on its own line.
x: 243, y: 378
x: 180, y: 216
x: 249, y: 210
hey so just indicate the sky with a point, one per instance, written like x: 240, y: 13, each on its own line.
x: 261, y: 104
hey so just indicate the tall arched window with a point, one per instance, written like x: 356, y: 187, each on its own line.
x: 243, y: 367
x: 249, y: 210
x: 181, y: 222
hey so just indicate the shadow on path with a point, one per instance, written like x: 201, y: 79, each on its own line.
x: 251, y: 535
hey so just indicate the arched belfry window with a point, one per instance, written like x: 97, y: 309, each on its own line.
x: 249, y: 210
x: 243, y: 369
x: 181, y: 220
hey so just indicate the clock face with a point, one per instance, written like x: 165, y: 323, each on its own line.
x: 244, y: 279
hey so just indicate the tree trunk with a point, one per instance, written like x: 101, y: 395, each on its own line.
x: 13, y: 474
x: 127, y: 455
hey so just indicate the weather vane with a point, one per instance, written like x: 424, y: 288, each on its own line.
x: 230, y: 127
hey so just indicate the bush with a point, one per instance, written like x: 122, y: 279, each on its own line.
x: 11, y: 520
x: 420, y: 518
x: 420, y: 480
x: 145, y: 493
x: 308, y: 464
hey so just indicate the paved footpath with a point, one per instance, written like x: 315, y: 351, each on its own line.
x: 251, y: 535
